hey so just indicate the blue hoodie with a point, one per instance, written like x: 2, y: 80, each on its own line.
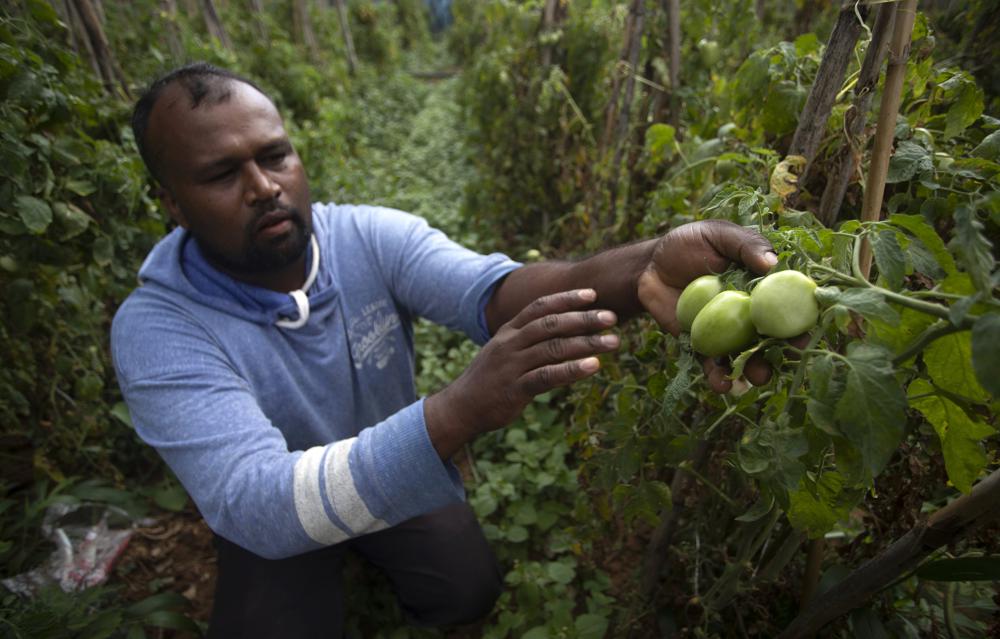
x: 291, y: 437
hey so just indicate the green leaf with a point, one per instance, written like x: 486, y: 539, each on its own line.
x: 171, y: 620
x: 889, y: 258
x: 517, y: 534
x: 870, y: 303
x: 816, y: 508
x: 760, y: 508
x: 918, y: 227
x: 909, y: 160
x: 36, y: 214
x: 538, y: 632
x: 870, y: 413
x: 71, y: 218
x: 949, y: 364
x: 658, y: 138
x: 83, y: 188
x: 104, y: 251
x: 825, y: 389
x: 170, y: 496
x: 590, y: 626
x: 560, y: 572
x: 896, y: 337
x: 961, y: 569
x: 966, y: 109
x: 986, y: 352
x: 973, y: 247
x: 120, y: 412
x: 154, y: 603
x: 679, y: 384
x: 961, y: 437
x: 989, y: 148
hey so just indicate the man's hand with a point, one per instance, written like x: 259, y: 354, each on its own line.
x: 552, y: 342
x: 692, y: 250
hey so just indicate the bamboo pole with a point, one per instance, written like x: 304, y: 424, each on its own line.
x: 951, y: 523
x: 892, y: 95
x: 848, y: 157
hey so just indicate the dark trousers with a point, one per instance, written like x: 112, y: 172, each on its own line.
x: 439, y: 565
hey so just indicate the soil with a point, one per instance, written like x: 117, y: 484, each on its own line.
x: 175, y: 554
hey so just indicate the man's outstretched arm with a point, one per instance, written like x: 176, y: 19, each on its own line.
x: 547, y: 322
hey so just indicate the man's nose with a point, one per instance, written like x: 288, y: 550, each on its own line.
x: 260, y: 186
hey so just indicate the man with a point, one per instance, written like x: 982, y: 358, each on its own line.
x: 268, y: 357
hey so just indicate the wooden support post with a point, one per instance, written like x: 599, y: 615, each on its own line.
x: 892, y: 94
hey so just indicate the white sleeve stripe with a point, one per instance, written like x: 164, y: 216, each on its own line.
x: 309, y: 501
x: 347, y: 504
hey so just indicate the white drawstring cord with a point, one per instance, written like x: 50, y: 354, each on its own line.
x: 301, y: 301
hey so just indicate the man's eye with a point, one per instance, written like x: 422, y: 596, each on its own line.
x: 223, y: 175
x: 275, y: 158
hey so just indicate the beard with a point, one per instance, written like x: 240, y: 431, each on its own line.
x: 260, y: 254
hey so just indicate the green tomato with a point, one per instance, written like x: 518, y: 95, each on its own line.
x: 694, y: 297
x: 783, y: 304
x: 724, y: 325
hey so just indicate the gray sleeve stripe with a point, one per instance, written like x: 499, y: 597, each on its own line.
x: 309, y: 500
x: 343, y: 493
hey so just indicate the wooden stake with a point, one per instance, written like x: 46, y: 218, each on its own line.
x: 848, y: 158
x: 951, y: 523
x: 892, y: 95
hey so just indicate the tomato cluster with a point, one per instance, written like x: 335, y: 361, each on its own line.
x: 723, y: 322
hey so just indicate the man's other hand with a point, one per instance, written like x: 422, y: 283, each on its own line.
x: 552, y: 342
x: 693, y: 250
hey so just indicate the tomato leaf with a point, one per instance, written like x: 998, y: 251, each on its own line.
x: 989, y: 148
x: 870, y: 303
x: 816, y: 508
x: 889, y: 258
x: 986, y: 352
x: 679, y: 384
x: 947, y: 360
x: 972, y: 246
x: 590, y: 626
x: 919, y: 228
x: 825, y: 389
x: 870, y: 413
x: 961, y: 437
x: 909, y: 160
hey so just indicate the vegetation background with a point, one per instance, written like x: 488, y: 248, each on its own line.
x: 635, y: 505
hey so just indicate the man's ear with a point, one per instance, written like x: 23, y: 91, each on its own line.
x: 169, y: 203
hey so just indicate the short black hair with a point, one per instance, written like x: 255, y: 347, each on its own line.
x: 203, y: 82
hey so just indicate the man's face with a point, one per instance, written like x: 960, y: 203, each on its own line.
x: 233, y: 180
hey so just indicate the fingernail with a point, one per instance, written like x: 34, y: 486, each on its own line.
x: 587, y: 294
x: 606, y: 317
x: 590, y: 364
x: 771, y: 258
x: 609, y: 340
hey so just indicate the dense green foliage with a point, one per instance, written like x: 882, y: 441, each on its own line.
x: 888, y: 413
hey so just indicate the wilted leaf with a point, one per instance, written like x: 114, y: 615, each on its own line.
x: 783, y: 181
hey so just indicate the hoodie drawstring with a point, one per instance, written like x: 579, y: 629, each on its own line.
x: 301, y: 300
